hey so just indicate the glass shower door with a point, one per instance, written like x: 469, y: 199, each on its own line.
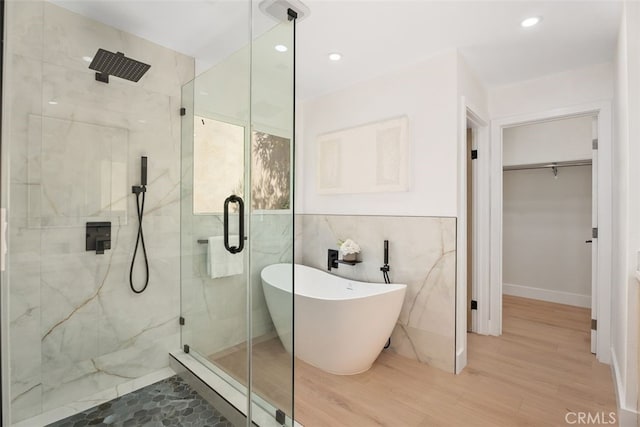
x: 271, y: 173
x: 214, y: 255
x: 237, y: 219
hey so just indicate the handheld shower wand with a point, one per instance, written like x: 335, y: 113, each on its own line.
x: 385, y: 273
x: 143, y: 171
x: 386, y: 253
x: 138, y: 190
x: 385, y: 268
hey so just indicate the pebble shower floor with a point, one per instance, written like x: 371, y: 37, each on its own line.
x: 170, y: 402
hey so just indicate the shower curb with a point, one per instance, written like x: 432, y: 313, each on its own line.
x: 226, y: 408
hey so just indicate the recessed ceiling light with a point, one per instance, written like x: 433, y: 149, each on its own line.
x: 281, y: 48
x: 335, y: 56
x: 53, y: 102
x: 530, y: 22
x: 205, y: 93
x: 87, y: 58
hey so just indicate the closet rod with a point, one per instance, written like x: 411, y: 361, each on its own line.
x: 548, y: 165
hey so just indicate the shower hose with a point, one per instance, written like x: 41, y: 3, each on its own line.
x: 139, y: 241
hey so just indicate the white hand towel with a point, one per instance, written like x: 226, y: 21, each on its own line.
x: 220, y: 262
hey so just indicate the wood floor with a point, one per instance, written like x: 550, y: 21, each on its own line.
x: 533, y: 375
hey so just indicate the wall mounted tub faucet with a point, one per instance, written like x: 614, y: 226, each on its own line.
x: 332, y: 259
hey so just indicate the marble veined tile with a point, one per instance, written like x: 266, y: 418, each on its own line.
x: 76, y: 327
x: 24, y: 28
x: 422, y: 255
x: 28, y: 403
x: 24, y: 352
x: 25, y: 100
x: 84, y: 378
x: 80, y: 168
x: 72, y: 340
x: 427, y: 347
x: 69, y: 37
x: 76, y: 95
x: 215, y: 309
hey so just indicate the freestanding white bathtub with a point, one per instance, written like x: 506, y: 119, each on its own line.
x: 341, y: 325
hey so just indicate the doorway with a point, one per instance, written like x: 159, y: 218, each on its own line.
x: 471, y: 156
x: 548, y: 213
x: 490, y: 283
x: 472, y: 263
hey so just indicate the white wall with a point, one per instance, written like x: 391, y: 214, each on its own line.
x: 626, y: 209
x: 554, y: 141
x: 545, y: 224
x: 580, y: 86
x: 473, y: 90
x: 426, y: 93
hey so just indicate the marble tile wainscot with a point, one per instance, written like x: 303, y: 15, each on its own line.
x: 422, y: 254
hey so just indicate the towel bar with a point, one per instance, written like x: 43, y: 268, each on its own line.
x: 205, y: 241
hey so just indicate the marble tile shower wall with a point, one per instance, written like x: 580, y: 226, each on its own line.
x: 216, y: 309
x: 422, y: 254
x: 74, y: 149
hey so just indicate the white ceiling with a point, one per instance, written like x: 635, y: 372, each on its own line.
x: 376, y: 37
x: 208, y: 30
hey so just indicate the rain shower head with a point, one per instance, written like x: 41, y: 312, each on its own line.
x: 116, y: 64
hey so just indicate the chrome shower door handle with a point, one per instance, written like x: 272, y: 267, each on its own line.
x: 234, y: 199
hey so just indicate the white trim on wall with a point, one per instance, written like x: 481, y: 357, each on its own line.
x: 627, y: 417
x: 491, y: 281
x: 481, y: 136
x: 547, y: 295
x: 4, y: 342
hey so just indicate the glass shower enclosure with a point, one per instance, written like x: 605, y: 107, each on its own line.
x: 213, y: 115
x: 237, y: 218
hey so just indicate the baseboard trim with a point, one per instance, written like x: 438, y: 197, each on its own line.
x: 547, y: 295
x: 626, y: 417
x: 461, y: 360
